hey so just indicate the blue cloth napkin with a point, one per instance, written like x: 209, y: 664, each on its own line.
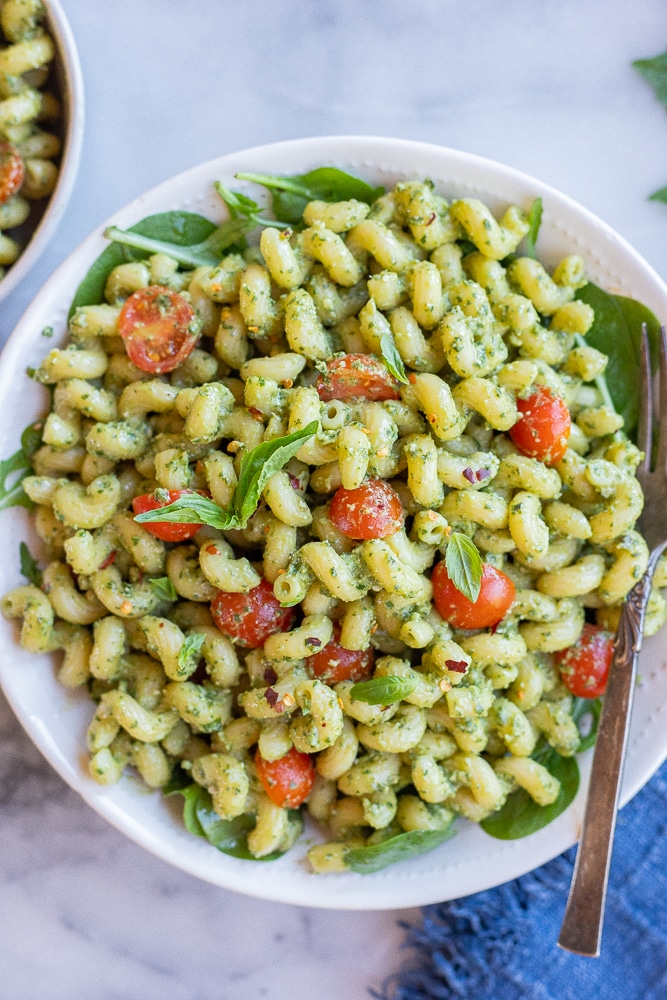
x: 501, y: 944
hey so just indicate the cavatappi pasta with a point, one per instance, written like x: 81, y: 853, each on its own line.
x: 28, y: 109
x: 291, y: 332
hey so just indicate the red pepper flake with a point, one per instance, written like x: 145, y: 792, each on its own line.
x: 257, y: 414
x: 457, y: 666
x: 295, y: 482
x: 469, y: 475
x: 476, y: 477
x: 482, y: 474
x: 432, y: 217
x: 273, y: 699
x: 212, y: 550
x: 109, y: 561
x: 314, y: 642
x: 270, y: 676
x: 412, y: 378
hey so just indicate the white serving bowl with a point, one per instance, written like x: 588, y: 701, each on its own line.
x: 56, y: 720
x: 44, y: 219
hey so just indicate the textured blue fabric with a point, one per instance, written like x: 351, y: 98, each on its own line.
x: 501, y: 944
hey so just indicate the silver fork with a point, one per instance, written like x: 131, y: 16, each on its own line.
x: 581, y: 931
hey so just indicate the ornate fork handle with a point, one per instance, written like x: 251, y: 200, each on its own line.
x: 581, y: 931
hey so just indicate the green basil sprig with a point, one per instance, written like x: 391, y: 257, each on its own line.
x: 29, y: 566
x: 190, y: 651
x: 290, y: 195
x: 534, y: 222
x: 229, y: 836
x: 14, y: 469
x: 399, y: 848
x: 464, y: 565
x: 163, y: 588
x: 616, y: 331
x: 257, y: 467
x: 383, y: 690
x: 392, y: 358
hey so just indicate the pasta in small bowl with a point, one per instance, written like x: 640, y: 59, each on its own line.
x: 330, y: 518
x: 41, y: 130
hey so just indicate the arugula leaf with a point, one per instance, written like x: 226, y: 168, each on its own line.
x: 188, y: 654
x: 229, y: 836
x: 177, y: 229
x: 583, y: 707
x: 163, y: 588
x: 290, y: 195
x: 392, y: 358
x: 14, y: 469
x: 242, y: 207
x: 464, y: 565
x: 659, y: 195
x: 383, y: 690
x: 398, y: 848
x: 206, y: 253
x: 29, y: 566
x: 654, y: 72
x: 521, y: 815
x: 616, y: 331
x: 534, y: 221
x: 257, y: 467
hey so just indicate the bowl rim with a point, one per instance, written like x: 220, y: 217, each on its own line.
x: 345, y: 891
x: 74, y: 113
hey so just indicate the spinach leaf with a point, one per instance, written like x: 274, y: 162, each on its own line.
x: 290, y: 195
x: 190, y: 794
x: 464, y: 565
x: 392, y: 358
x: 383, y: 690
x: 616, y: 331
x: 521, y: 815
x: 257, y: 467
x: 398, y: 848
x: 582, y: 708
x: 534, y: 222
x: 29, y: 566
x: 177, y: 229
x: 14, y: 469
x: 654, y: 72
x: 163, y: 588
x: 188, y: 654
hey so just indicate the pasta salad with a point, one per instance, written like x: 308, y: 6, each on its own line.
x: 339, y: 520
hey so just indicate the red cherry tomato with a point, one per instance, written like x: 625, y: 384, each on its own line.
x: 249, y: 619
x: 12, y: 171
x: 584, y: 667
x: 287, y: 781
x: 544, y: 426
x: 357, y: 376
x: 496, y: 597
x: 333, y: 663
x: 373, y: 510
x: 159, y: 329
x: 166, y: 530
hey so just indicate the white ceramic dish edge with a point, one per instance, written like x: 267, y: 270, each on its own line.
x: 56, y: 720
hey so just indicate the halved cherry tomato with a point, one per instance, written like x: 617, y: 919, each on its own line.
x: 168, y: 531
x: 372, y: 510
x: 159, y: 329
x: 544, y: 427
x: 289, y: 780
x: 249, y: 619
x: 584, y: 668
x: 333, y: 663
x: 496, y: 597
x: 12, y: 171
x: 357, y: 376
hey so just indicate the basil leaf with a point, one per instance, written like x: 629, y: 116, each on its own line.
x: 163, y: 588
x: 178, y: 229
x: 582, y: 708
x: 654, y: 72
x: 616, y: 331
x: 521, y: 815
x: 392, y: 358
x: 29, y: 567
x: 399, y: 848
x: 464, y: 565
x: 257, y: 467
x: 188, y: 654
x: 292, y: 194
x: 383, y: 690
x: 534, y: 222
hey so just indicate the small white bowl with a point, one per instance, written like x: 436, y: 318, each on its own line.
x: 56, y: 720
x: 43, y: 220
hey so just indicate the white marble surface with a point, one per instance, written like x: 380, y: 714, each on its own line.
x: 545, y: 87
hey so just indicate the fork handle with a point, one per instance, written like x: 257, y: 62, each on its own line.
x: 581, y: 931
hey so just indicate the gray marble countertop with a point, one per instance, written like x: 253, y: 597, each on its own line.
x: 545, y: 87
